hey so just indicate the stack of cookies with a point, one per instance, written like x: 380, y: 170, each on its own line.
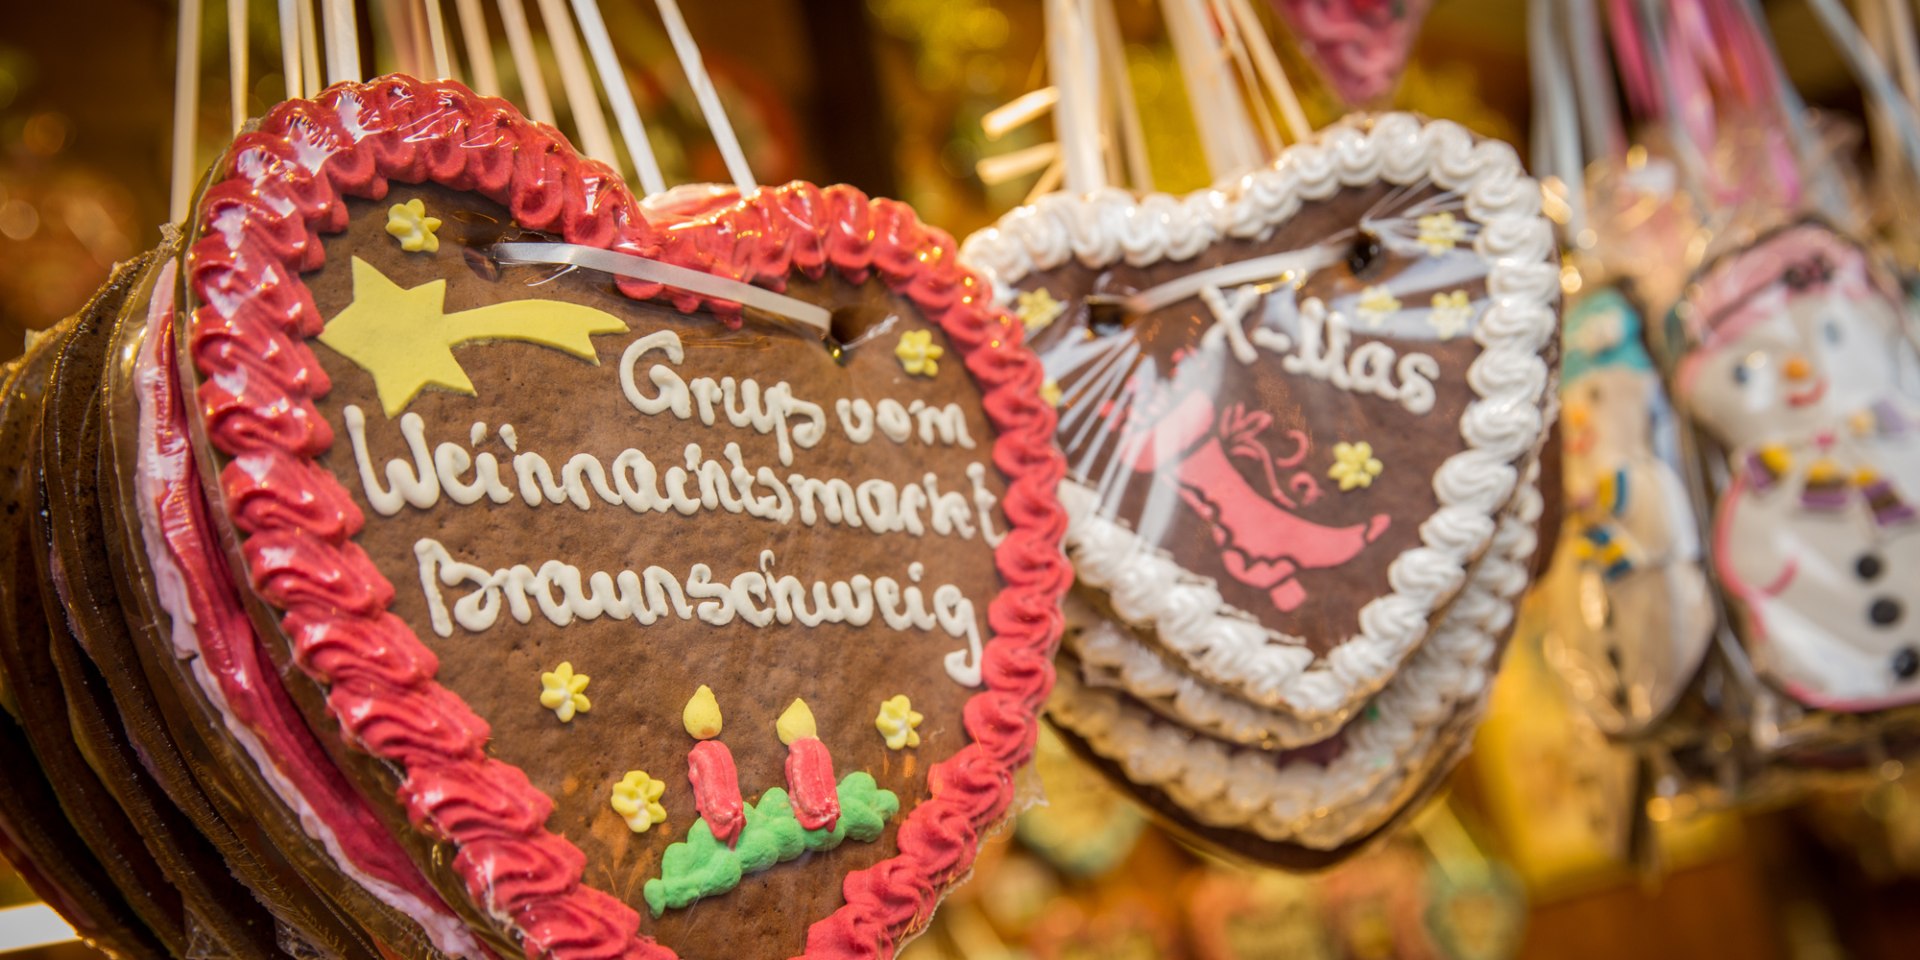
x: 437, y: 551
x: 1304, y: 417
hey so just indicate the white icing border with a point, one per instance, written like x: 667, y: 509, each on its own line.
x: 1509, y: 377
x: 1224, y: 785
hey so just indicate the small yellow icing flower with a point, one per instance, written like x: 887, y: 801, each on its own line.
x: 410, y: 224
x: 918, y: 353
x: 1375, y: 305
x: 898, y: 722
x: 701, y: 716
x: 1354, y: 465
x: 1450, y: 314
x: 1439, y: 232
x: 1050, y: 392
x: 562, y: 691
x: 796, y: 723
x: 1037, y: 308
x: 636, y: 798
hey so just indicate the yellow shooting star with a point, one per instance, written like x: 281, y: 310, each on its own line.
x: 405, y: 339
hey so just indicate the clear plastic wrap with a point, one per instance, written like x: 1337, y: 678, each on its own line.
x: 1302, y: 418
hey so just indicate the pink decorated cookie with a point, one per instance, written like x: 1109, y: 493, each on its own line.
x: 1360, y: 46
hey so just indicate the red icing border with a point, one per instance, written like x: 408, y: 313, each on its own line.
x: 279, y: 187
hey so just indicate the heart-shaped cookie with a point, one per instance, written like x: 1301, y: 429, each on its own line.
x: 643, y: 621
x: 1293, y: 411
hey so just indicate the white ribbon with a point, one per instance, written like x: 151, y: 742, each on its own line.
x: 653, y: 271
x: 1296, y: 263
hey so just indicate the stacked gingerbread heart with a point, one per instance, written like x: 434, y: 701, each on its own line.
x: 440, y: 551
x: 1303, y: 416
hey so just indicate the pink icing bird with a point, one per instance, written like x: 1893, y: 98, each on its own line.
x: 1262, y: 542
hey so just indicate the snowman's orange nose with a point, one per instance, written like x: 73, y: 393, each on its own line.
x: 1578, y: 416
x: 1797, y: 368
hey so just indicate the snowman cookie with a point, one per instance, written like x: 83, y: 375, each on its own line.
x: 1635, y: 615
x: 1800, y: 365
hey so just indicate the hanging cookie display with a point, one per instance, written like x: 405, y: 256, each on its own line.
x: 1299, y: 413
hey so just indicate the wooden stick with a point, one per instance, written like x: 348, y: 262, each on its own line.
x: 309, y: 49
x: 473, y: 33
x: 397, y: 15
x: 343, y: 41
x: 708, y: 98
x: 290, y: 50
x: 1268, y: 64
x: 1225, y: 136
x: 237, y: 61
x: 520, y: 40
x: 186, y: 108
x: 1235, y: 47
x: 1076, y: 118
x: 613, y: 79
x: 437, y: 39
x: 583, y: 104
x: 1119, y: 79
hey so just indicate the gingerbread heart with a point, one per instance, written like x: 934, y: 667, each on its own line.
x: 633, y: 619
x: 1293, y: 411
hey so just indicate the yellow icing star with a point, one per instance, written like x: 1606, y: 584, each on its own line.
x: 1050, y: 392
x: 409, y: 223
x: 562, y: 692
x: 1439, y: 232
x: 918, y: 353
x: 405, y: 339
x: 702, y: 714
x: 1037, y: 308
x: 1376, y: 304
x: 1450, y: 314
x: 636, y: 798
x: 1823, y: 472
x: 796, y: 723
x: 898, y: 723
x: 1354, y: 465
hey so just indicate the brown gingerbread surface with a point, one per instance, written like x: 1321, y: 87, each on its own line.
x: 559, y: 406
x: 1096, y: 354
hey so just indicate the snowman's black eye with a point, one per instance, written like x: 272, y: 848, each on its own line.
x: 1833, y: 331
x: 1906, y: 663
x: 1740, y: 373
x: 1868, y: 567
x: 1885, y: 612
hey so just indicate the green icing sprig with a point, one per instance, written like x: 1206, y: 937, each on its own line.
x: 701, y: 866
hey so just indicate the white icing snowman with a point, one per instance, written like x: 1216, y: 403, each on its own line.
x: 1806, y: 374
x: 1636, y: 616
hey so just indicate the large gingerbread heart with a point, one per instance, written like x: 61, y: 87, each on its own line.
x: 642, y: 621
x: 1293, y: 410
